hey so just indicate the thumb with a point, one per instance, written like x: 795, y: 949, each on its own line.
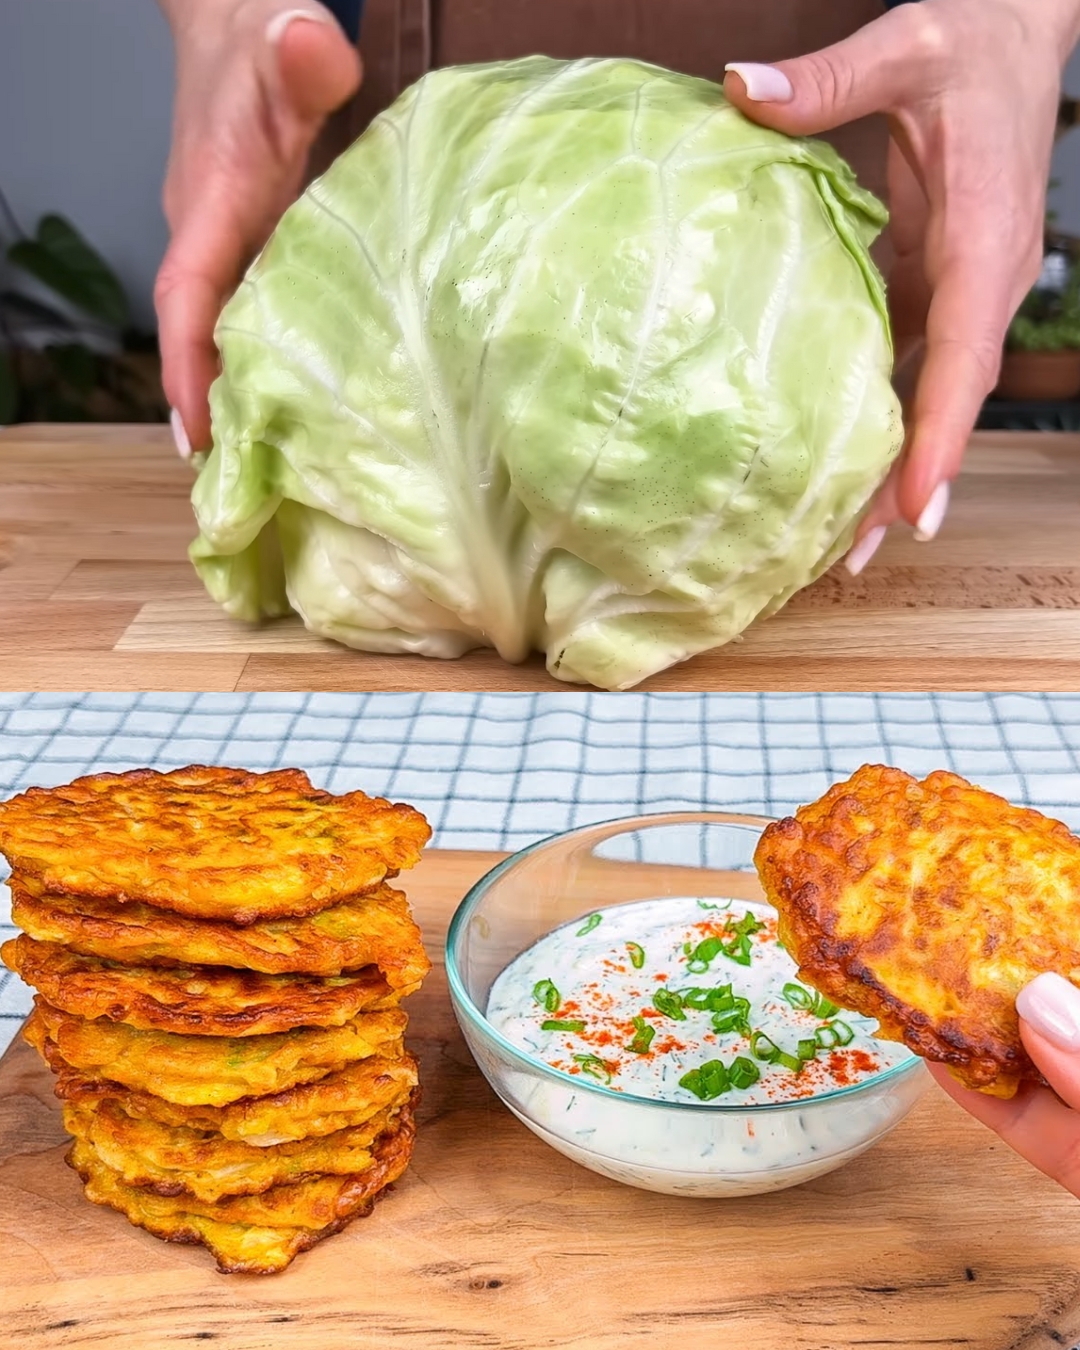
x: 317, y: 66
x: 871, y: 71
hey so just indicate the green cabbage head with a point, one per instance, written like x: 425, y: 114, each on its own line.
x: 564, y: 356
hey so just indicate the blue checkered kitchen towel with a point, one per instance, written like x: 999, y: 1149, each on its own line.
x: 502, y: 770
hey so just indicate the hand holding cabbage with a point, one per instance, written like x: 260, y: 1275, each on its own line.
x: 559, y: 356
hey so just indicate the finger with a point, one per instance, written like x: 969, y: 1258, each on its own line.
x: 1036, y: 1123
x: 1049, y: 1008
x: 909, y: 300
x: 318, y: 67
x: 1060, y: 1068
x: 965, y: 330
x: 871, y: 71
x: 200, y: 268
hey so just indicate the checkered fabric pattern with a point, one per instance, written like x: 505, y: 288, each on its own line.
x: 499, y: 771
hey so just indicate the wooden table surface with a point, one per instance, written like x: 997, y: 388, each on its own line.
x: 96, y: 591
x: 939, y: 1235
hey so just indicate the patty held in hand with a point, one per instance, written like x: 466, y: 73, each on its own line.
x: 212, y: 843
x: 928, y: 905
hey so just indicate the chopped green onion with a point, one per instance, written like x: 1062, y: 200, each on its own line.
x: 738, y: 951
x: 562, y: 1024
x: 594, y: 1066
x: 763, y: 1047
x: 744, y: 1072
x: 643, y: 1035
x: 545, y: 992
x: 831, y: 1034
x: 702, y: 954
x: 669, y: 1003
x: 637, y: 954
x: 797, y: 996
x: 704, y: 904
x: 589, y: 924
x: 807, y: 1049
x: 732, y: 1019
x: 807, y: 1000
x: 738, y: 948
x: 708, y: 1081
x: 707, y: 1000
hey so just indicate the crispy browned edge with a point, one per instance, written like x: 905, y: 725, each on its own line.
x: 82, y: 993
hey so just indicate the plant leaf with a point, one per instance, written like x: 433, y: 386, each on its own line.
x: 32, y: 313
x: 9, y: 391
x: 61, y: 259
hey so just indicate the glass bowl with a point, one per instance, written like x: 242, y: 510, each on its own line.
x: 700, y: 1149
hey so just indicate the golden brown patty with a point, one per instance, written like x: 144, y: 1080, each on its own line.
x: 928, y: 905
x: 196, y: 1000
x: 337, y: 1102
x: 212, y: 843
x: 172, y: 1160
x: 375, y: 929
x: 213, y: 1070
x: 257, y: 1234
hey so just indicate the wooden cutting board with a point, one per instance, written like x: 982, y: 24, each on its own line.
x: 939, y: 1236
x: 96, y: 591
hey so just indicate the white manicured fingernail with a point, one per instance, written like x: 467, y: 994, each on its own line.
x: 764, y: 84
x: 180, y: 436
x: 861, y: 553
x: 933, y: 513
x: 1051, y: 1005
x: 277, y: 25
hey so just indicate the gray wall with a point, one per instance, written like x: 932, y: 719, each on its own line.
x: 85, y: 108
x: 85, y: 94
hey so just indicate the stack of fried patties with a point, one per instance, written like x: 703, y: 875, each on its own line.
x: 219, y: 963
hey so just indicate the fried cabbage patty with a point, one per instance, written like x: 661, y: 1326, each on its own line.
x: 213, y: 1070
x: 212, y: 843
x: 375, y: 929
x: 200, y: 1000
x: 173, y: 1160
x: 337, y: 1102
x: 253, y: 1234
x: 928, y: 905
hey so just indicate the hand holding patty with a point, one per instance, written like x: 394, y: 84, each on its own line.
x: 1041, y: 1123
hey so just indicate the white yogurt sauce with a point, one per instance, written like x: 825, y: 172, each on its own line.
x: 619, y: 979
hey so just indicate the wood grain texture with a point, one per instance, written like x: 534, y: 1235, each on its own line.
x: 938, y: 1236
x: 95, y: 523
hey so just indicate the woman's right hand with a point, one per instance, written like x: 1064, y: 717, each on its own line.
x: 256, y: 79
x: 1041, y: 1123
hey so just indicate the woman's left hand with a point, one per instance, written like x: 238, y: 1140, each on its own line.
x: 971, y: 91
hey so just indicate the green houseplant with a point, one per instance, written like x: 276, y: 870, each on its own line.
x: 1041, y: 361
x: 69, y: 351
